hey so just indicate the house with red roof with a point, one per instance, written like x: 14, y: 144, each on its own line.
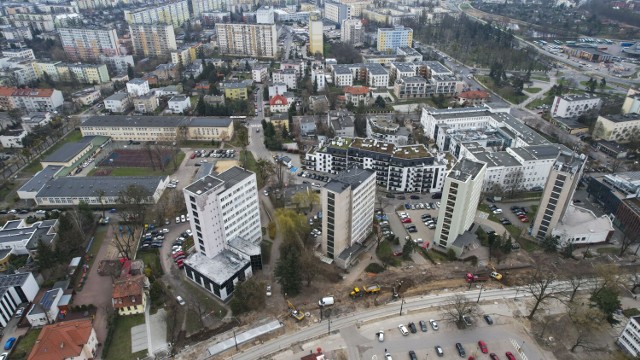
x: 129, y: 296
x: 356, y: 94
x: 473, y: 98
x: 279, y: 103
x: 75, y: 339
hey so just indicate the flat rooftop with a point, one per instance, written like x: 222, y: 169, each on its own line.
x: 350, y: 178
x: 76, y: 186
x: 220, y: 268
x: 622, y: 117
x: 40, y: 179
x: 465, y: 170
x: 578, y: 220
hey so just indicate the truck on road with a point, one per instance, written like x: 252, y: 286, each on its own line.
x: 476, y: 278
x: 368, y: 289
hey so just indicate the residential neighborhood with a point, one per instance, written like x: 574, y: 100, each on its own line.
x: 343, y: 179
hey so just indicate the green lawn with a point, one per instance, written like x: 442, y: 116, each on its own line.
x: 152, y: 259
x: 504, y: 91
x: 547, y: 100
x: 604, y: 251
x: 533, y: 90
x: 120, y: 346
x: 26, y: 342
x: 540, y: 77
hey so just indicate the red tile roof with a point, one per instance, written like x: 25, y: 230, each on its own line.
x: 62, y: 340
x: 6, y: 91
x: 278, y: 100
x: 474, y: 94
x: 128, y: 291
x: 356, y: 90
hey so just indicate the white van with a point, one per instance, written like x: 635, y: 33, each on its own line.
x: 326, y: 301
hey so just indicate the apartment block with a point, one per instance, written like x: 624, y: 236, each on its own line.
x: 15, y: 289
x: 384, y: 129
x: 259, y: 40
x: 619, y: 128
x: 411, y: 87
x: 152, y: 40
x: 390, y: 39
x: 186, y: 54
x: 574, y: 105
x: 629, y: 339
x: 287, y: 77
x: 373, y: 75
x: 348, y: 202
x: 200, y: 7
x: 24, y: 53
x: 30, y: 100
x: 89, y: 44
x: 84, y: 73
x: 460, y: 199
x: 632, y: 102
x: 138, y: 87
x: 174, y: 13
x: 558, y: 192
x: 316, y: 36
x: 265, y: 15
x: 145, y: 104
x: 335, y: 12
x: 225, y: 220
x: 351, y: 31
x: 234, y: 90
x: 408, y: 168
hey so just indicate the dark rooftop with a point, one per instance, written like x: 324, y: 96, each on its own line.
x: 465, y: 170
x: 72, y: 186
x: 352, y: 178
x: 69, y: 150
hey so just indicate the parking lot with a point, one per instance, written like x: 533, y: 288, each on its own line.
x: 423, y: 236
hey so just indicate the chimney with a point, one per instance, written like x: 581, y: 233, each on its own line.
x: 61, y: 344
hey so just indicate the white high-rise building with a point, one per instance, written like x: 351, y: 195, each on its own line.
x: 351, y: 31
x: 265, y: 15
x: 174, y: 13
x: 347, y: 205
x: 225, y: 220
x: 574, y: 105
x: 460, y: 198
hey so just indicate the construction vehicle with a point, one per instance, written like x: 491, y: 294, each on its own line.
x: 361, y: 291
x: 476, y: 278
x: 495, y: 274
x: 297, y: 314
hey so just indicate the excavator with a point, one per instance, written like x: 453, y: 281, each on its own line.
x: 495, y: 274
x: 297, y: 314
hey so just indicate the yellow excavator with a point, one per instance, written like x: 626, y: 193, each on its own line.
x: 495, y: 274
x: 297, y: 314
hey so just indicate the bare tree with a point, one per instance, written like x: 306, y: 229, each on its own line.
x: 458, y: 307
x: 101, y: 198
x: 125, y: 241
x: 627, y: 240
x: 199, y: 308
x: 586, y: 321
x: 539, y: 287
x: 606, y: 276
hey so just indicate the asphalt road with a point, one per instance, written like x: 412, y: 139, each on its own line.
x: 390, y: 309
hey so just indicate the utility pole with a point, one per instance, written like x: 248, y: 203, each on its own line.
x: 480, y: 293
x: 401, y: 304
x: 235, y: 339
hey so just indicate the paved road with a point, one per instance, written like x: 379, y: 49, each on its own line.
x: 372, y: 315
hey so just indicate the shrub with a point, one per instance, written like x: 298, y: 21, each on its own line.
x: 374, y: 268
x: 451, y: 254
x: 271, y: 230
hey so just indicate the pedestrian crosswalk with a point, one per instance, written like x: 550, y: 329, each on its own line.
x: 519, y: 349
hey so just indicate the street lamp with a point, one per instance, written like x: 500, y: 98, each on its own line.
x: 235, y: 339
x: 401, y: 304
x: 480, y: 293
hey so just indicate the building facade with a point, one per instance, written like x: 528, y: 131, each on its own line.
x: 629, y: 339
x: 259, y: 40
x: 351, y: 31
x: 558, y: 193
x: 572, y: 105
x: 390, y: 39
x: 460, y: 199
x: 619, y: 128
x: 316, y: 36
x: 152, y: 40
x: 88, y: 44
x: 174, y: 13
x: 30, y: 100
x: 348, y: 202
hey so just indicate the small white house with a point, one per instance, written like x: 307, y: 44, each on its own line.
x: 117, y: 103
x: 138, y: 87
x: 46, y: 311
x: 178, y: 104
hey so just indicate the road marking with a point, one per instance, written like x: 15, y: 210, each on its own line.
x: 518, y: 348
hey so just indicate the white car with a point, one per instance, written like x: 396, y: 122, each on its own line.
x: 164, y: 231
x: 40, y: 212
x: 188, y: 231
x: 268, y: 290
x: 434, y: 324
x: 183, y: 218
x: 180, y: 300
x: 187, y: 217
x: 177, y: 219
x: 403, y: 329
x: 380, y: 335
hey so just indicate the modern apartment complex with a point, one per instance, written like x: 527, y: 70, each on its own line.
x: 30, y: 99
x: 204, y: 6
x: 574, y: 105
x: 558, y: 192
x: 88, y: 44
x: 316, y: 36
x: 351, y: 31
x: 259, y: 40
x: 629, y: 339
x: 174, y: 13
x: 390, y: 39
x: 408, y: 168
x: 335, y: 12
x: 348, y: 201
x: 225, y: 220
x: 460, y: 198
x: 383, y: 128
x: 373, y: 75
x: 158, y: 128
x: 152, y: 40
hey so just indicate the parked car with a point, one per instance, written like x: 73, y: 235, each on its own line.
x: 9, y: 344
x: 488, y: 319
x: 439, y: 350
x: 403, y: 330
x: 483, y: 346
x: 180, y: 300
x: 412, y: 327
x: 19, y: 312
x: 177, y: 219
x: 423, y: 326
x: 380, y: 335
x: 510, y: 355
x: 434, y: 324
x: 460, y: 349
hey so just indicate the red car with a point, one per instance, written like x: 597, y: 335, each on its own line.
x: 193, y: 156
x: 406, y: 220
x: 510, y: 356
x: 483, y: 347
x: 180, y: 263
x: 179, y: 253
x: 524, y: 219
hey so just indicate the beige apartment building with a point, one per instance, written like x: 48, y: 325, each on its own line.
x: 174, y: 13
x: 259, y: 40
x: 152, y: 40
